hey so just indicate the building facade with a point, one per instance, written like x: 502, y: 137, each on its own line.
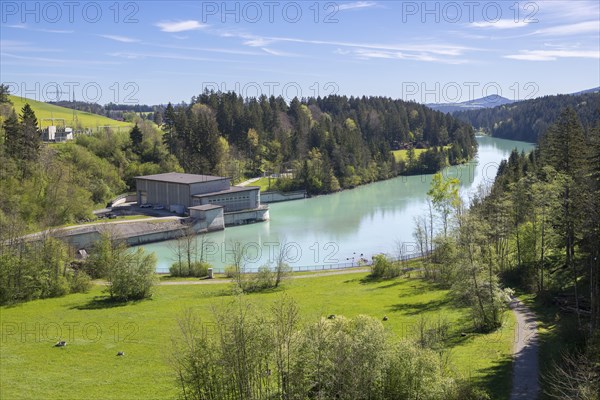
x: 183, y: 193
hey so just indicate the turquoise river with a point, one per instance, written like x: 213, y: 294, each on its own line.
x: 337, y: 230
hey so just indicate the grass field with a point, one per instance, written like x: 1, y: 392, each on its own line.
x: 401, y: 155
x: 264, y: 184
x: 88, y: 368
x: 45, y: 110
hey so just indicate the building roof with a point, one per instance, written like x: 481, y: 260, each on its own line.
x: 232, y: 189
x: 176, y: 177
x: 205, y: 207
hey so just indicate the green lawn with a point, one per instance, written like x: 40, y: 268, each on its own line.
x: 264, y: 184
x: 45, y: 110
x: 402, y: 155
x: 88, y: 368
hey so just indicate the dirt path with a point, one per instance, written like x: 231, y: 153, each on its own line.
x: 525, y: 384
x: 293, y: 276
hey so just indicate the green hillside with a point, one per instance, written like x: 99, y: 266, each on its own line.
x: 83, y: 119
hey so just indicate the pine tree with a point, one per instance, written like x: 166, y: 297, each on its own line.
x: 169, y: 129
x: 30, y: 134
x: 13, y: 140
x: 4, y: 92
x: 136, y: 137
x: 566, y: 151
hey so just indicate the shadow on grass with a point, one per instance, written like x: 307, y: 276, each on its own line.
x: 104, y: 302
x: 497, y: 379
x: 418, y: 308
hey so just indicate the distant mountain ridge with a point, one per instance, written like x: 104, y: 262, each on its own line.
x: 594, y: 90
x: 476, y: 104
x: 526, y: 120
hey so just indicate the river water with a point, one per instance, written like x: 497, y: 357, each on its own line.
x: 341, y: 228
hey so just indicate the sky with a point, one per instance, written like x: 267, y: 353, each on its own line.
x: 154, y: 52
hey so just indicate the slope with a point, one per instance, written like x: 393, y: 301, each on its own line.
x: 75, y: 119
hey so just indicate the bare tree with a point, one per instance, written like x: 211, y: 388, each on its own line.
x: 282, y: 269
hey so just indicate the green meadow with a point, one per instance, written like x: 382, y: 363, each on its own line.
x: 85, y: 119
x: 402, y: 155
x: 88, y: 367
x: 264, y: 184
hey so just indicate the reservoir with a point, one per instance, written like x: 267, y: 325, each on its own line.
x: 341, y: 228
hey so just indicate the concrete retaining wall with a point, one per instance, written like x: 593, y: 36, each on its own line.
x: 273, y: 197
x: 247, y: 216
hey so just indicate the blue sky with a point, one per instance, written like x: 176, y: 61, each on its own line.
x: 153, y: 51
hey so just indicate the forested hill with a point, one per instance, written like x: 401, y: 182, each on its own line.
x: 541, y: 221
x: 526, y: 120
x: 329, y: 142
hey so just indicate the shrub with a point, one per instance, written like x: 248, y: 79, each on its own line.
x: 384, y: 268
x: 341, y: 358
x: 263, y: 279
x: 131, y: 276
x: 197, y: 269
x: 413, y: 373
x: 179, y: 269
x: 58, y: 287
x: 231, y: 272
x: 80, y: 282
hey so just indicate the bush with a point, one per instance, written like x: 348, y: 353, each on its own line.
x: 131, y: 276
x: 384, y: 269
x: 413, y: 373
x: 80, y: 282
x: 341, y: 358
x: 231, y: 272
x: 179, y: 269
x: 58, y: 287
x: 263, y: 279
x: 197, y: 269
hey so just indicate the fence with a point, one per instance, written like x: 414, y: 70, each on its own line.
x: 324, y: 267
x: 353, y: 264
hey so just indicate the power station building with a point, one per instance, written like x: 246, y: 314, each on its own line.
x: 202, y: 196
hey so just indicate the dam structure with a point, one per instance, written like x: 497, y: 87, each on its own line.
x: 210, y: 201
x: 180, y: 203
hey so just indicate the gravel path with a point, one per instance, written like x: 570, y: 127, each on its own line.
x: 525, y: 385
x: 293, y: 276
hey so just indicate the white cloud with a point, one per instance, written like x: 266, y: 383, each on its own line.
x: 356, y: 5
x: 258, y: 42
x: 570, y: 29
x: 24, y: 26
x: 205, y: 49
x: 180, y: 26
x: 501, y: 24
x: 278, y: 53
x: 553, y: 55
x: 58, y: 61
x: 25, y: 47
x: 561, y: 10
x: 169, y: 56
x: 122, y: 39
x: 440, y: 49
x: 399, y: 55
